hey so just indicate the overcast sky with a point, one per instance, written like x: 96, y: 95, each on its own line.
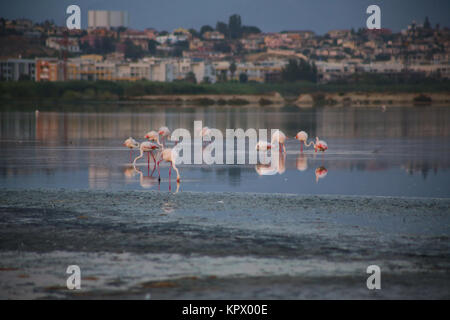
x: 269, y: 15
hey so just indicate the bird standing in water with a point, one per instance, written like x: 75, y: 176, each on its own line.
x: 280, y: 138
x: 320, y: 145
x: 169, y: 155
x: 150, y: 148
x: 302, y: 136
x: 131, y: 144
x: 164, y: 132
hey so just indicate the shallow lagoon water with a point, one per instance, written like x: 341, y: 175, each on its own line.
x: 400, y: 152
x: 69, y: 195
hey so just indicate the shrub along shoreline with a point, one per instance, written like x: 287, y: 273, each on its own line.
x: 263, y: 93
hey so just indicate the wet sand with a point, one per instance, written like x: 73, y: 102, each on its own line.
x: 160, y: 245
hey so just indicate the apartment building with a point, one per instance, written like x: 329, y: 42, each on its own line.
x: 17, y: 69
x: 49, y: 69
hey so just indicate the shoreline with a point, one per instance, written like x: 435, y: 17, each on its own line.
x: 247, y: 245
x: 304, y: 100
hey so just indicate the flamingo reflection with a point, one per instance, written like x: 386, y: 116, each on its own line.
x: 302, y: 162
x: 277, y: 166
x: 146, y: 182
x: 321, y: 172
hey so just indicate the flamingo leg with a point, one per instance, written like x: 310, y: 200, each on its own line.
x: 159, y: 173
x: 131, y: 155
x: 284, y: 148
x: 154, y: 160
x: 301, y: 147
x: 170, y: 170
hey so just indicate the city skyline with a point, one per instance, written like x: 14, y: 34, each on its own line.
x: 319, y: 16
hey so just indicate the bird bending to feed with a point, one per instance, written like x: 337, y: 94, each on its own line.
x: 148, y: 147
x: 302, y: 136
x: 320, y: 145
x: 280, y: 138
x: 164, y: 132
x: 169, y: 155
x: 153, y: 136
x: 131, y: 144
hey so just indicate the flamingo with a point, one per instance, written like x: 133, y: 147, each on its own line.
x: 169, y: 155
x: 148, y: 147
x: 131, y: 144
x: 320, y: 145
x: 164, y: 132
x: 153, y: 136
x: 302, y: 136
x: 263, y: 146
x: 205, y: 132
x: 280, y: 137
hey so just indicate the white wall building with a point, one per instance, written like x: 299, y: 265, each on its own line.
x: 107, y: 19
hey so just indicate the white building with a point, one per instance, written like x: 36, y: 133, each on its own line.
x: 14, y: 69
x: 59, y: 43
x: 107, y: 19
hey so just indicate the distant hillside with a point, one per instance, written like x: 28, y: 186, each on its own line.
x: 14, y: 46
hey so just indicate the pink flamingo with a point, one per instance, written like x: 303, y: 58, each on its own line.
x: 280, y: 138
x: 164, y: 132
x: 263, y: 146
x: 302, y: 136
x: 153, y: 136
x: 320, y: 145
x: 131, y: 144
x: 169, y: 155
x: 148, y: 147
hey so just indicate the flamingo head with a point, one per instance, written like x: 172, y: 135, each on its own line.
x: 301, y: 136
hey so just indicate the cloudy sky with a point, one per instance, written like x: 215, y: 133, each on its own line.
x: 269, y: 15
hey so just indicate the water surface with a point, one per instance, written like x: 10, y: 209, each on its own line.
x: 401, y: 152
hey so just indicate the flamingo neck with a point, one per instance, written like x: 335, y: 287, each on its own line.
x: 308, y: 144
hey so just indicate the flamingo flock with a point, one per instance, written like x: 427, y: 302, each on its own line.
x: 279, y: 139
x: 155, y: 147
